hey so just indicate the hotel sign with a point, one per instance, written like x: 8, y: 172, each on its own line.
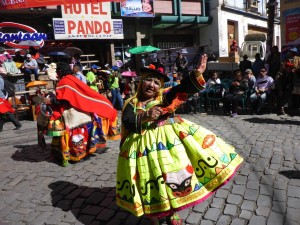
x: 87, y: 21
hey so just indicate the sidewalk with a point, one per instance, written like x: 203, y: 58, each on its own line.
x: 266, y: 190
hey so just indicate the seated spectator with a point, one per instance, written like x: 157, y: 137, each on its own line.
x: 213, y: 80
x: 251, y: 81
x: 263, y: 87
x: 30, y: 66
x: 236, y: 93
x: 191, y: 104
x: 18, y: 58
x: 38, y: 57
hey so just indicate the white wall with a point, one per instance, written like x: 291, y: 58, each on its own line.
x: 215, y: 34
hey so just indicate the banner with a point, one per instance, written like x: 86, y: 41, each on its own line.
x: 292, y: 26
x: 18, y: 4
x: 20, y: 36
x: 137, y: 8
x: 65, y: 28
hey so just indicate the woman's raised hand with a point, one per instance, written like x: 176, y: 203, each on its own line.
x: 202, y: 63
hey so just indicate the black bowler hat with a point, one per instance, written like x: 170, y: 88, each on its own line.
x: 156, y: 73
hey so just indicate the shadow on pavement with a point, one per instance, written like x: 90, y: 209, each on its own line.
x: 291, y: 174
x: 272, y: 121
x: 32, y: 153
x: 89, y: 204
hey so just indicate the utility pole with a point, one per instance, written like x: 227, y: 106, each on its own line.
x: 271, y: 5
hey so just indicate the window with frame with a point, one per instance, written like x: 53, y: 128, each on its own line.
x: 253, y: 3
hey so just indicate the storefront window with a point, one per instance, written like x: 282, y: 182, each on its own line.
x: 122, y: 56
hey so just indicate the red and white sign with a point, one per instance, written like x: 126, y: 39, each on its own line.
x: 87, y: 21
x: 99, y: 10
x: 18, y: 4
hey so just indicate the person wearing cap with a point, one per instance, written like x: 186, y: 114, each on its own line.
x: 245, y: 64
x: 91, y: 78
x: 164, y: 160
x: 30, y: 66
x: 181, y: 63
x: 251, y: 81
x: 114, y: 85
x: 18, y: 58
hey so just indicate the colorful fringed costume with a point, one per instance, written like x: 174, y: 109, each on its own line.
x: 82, y: 121
x: 171, y: 163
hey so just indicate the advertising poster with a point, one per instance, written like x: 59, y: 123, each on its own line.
x: 137, y: 8
x: 292, y: 26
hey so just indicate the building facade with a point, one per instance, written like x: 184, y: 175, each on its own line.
x: 176, y: 24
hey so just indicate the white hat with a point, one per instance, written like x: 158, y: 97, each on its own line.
x: 17, y: 50
x: 28, y: 56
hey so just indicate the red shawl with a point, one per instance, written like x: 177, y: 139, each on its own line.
x: 82, y: 97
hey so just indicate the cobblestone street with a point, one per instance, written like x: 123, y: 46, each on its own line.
x: 265, y: 191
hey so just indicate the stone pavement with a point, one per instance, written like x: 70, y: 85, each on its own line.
x: 266, y: 190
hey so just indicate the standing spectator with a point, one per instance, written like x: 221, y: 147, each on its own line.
x: 115, y: 88
x: 103, y: 76
x: 78, y: 74
x: 30, y: 66
x: 245, y: 64
x: 237, y: 89
x: 262, y: 90
x: 274, y: 62
x: 283, y: 86
x: 129, y: 89
x: 181, y: 63
x: 91, y: 78
x: 6, y: 109
x: 234, y: 46
x: 258, y: 64
x: 76, y: 60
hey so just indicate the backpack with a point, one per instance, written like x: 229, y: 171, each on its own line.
x: 9, y: 88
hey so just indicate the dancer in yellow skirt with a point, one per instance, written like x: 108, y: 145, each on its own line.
x: 167, y: 163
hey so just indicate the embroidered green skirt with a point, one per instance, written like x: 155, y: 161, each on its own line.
x: 173, y: 165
